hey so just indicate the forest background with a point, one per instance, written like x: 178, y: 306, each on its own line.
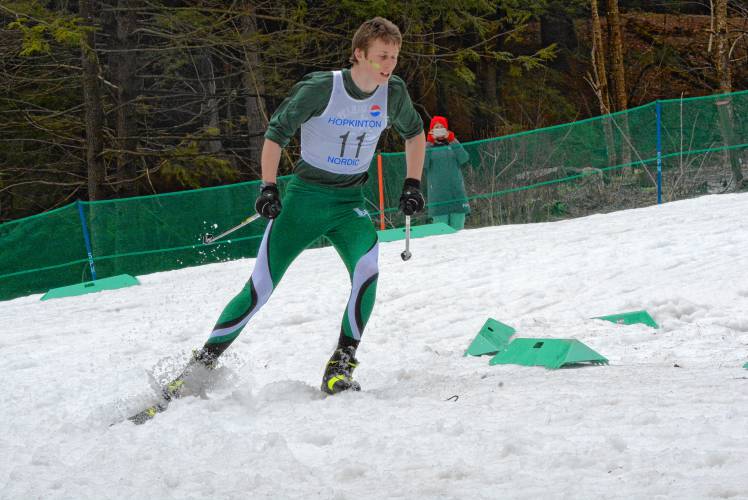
x: 120, y: 98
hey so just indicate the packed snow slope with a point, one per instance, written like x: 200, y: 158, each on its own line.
x: 668, y: 418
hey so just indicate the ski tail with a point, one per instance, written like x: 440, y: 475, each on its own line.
x: 145, y: 415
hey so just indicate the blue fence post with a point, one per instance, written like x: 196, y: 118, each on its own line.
x: 658, y: 106
x: 87, y: 239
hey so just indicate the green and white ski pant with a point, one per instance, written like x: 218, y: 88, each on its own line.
x: 309, y: 212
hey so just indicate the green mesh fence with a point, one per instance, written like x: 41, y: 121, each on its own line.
x: 41, y: 250
x: 132, y: 235
x: 597, y: 165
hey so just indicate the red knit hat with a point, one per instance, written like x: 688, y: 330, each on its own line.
x: 439, y: 119
x: 442, y: 121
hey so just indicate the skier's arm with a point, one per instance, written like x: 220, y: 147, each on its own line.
x: 415, y: 152
x: 307, y: 98
x: 271, y: 153
x: 411, y: 200
x: 408, y: 124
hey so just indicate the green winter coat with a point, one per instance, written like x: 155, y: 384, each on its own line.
x: 444, y: 182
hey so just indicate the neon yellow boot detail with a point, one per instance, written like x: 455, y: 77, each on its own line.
x: 338, y: 375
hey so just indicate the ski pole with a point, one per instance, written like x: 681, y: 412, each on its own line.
x: 406, y: 253
x: 209, y: 238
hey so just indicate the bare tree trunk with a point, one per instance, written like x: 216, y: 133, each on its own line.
x: 229, y: 104
x: 724, y: 78
x: 616, y: 56
x: 484, y: 114
x: 253, y: 83
x: 209, y: 110
x: 124, y: 65
x: 722, y: 52
x: 619, y: 77
x: 599, y: 80
x: 94, y: 114
x: 598, y: 61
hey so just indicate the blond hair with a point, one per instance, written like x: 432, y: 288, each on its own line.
x: 377, y: 28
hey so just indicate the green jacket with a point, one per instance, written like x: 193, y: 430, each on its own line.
x: 309, y: 98
x: 444, y: 183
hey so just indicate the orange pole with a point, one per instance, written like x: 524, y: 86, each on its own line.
x: 381, y: 192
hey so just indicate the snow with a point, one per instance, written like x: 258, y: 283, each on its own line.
x: 641, y: 427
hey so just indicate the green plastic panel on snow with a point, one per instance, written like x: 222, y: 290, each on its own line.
x: 415, y: 231
x: 119, y: 281
x: 493, y: 337
x: 631, y: 318
x: 550, y: 353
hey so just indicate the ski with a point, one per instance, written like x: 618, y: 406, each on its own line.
x: 145, y: 415
x: 171, y: 391
x: 190, y: 382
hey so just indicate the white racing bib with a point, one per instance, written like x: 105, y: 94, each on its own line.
x: 343, y: 139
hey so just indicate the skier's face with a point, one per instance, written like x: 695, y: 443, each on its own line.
x: 378, y: 61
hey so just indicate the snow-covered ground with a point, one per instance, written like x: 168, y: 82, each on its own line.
x: 641, y: 427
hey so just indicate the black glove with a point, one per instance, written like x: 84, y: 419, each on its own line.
x: 411, y: 201
x: 268, y: 204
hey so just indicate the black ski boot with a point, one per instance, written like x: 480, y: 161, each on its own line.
x: 339, y: 372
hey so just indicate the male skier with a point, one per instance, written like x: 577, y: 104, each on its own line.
x: 341, y: 115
